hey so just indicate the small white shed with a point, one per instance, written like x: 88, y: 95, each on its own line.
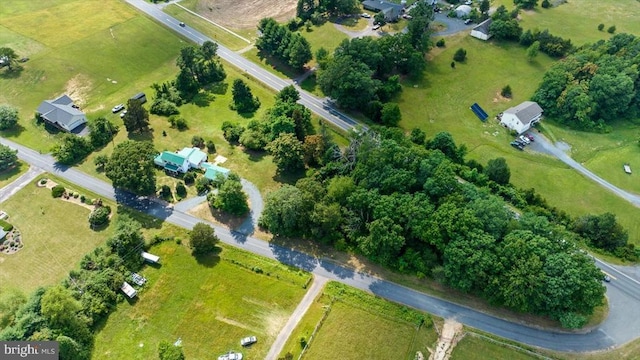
x: 128, y: 290
x: 154, y: 259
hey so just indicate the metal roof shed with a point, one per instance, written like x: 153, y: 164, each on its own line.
x: 154, y: 259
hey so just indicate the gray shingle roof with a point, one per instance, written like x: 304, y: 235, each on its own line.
x: 483, y: 27
x: 525, y: 112
x: 61, y: 111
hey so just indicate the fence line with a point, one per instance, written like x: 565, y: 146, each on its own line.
x: 315, y: 330
x: 515, y: 347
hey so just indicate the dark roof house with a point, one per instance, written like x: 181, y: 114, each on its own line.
x: 62, y: 113
x: 390, y: 10
x: 481, y: 31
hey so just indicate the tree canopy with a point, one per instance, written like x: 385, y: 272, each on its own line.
x: 405, y: 205
x: 202, y: 239
x: 278, y: 41
x: 8, y: 117
x: 595, y: 86
x: 130, y: 167
x: 243, y: 99
x: 8, y: 158
x: 137, y: 117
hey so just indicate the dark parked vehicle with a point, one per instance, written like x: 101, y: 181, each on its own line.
x: 520, y: 142
x: 517, y: 146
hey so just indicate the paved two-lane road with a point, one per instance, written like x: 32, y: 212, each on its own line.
x: 620, y: 327
x: 313, y: 103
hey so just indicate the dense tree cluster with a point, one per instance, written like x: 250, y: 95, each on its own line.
x: 422, y: 209
x: 131, y: 168
x: 202, y: 239
x: 101, y: 132
x: 596, y: 85
x: 199, y: 67
x: 280, y: 42
x: 70, y: 312
x: 505, y: 26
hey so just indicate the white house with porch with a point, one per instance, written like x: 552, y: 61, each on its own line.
x: 520, y: 118
x: 181, y: 161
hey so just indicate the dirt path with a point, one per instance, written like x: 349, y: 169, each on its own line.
x: 298, y: 313
x: 451, y: 334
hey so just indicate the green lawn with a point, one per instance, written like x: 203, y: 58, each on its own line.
x: 346, y: 332
x: 210, y: 304
x: 327, y: 35
x: 578, y: 20
x: 7, y: 177
x: 476, y: 348
x: 98, y: 52
x: 55, y: 233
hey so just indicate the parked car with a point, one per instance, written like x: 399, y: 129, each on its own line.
x: 249, y: 340
x: 468, y: 21
x: 524, y: 139
x: 231, y: 355
x: 117, y: 108
x: 365, y: 15
x: 520, y: 142
x: 530, y: 137
x: 376, y: 27
x: 122, y: 114
x: 517, y: 146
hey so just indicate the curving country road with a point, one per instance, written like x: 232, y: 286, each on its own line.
x: 622, y: 325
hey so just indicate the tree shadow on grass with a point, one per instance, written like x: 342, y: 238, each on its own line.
x: 209, y: 260
x: 7, y: 174
x: 219, y: 88
x: 279, y: 65
x: 11, y: 74
x: 254, y: 155
x: 289, y: 177
x: 142, y: 135
x: 13, y: 132
x: 203, y: 99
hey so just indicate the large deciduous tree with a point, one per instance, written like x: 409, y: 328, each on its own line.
x: 288, y: 153
x: 230, y: 197
x: 131, y: 167
x: 8, y: 117
x: 9, y: 57
x: 8, y: 158
x: 347, y: 81
x: 202, y: 239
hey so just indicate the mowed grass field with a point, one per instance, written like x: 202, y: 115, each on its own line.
x: 359, y: 326
x: 210, y: 304
x: 55, y: 234
x: 7, y: 177
x: 578, y: 20
x: 98, y: 52
x: 475, y: 348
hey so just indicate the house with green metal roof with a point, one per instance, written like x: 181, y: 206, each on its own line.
x: 212, y: 171
x: 181, y: 161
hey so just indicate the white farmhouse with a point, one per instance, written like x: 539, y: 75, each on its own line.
x: 520, y: 118
x: 481, y: 31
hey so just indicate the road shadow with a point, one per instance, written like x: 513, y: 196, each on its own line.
x: 293, y: 257
x: 239, y: 237
x: 336, y: 269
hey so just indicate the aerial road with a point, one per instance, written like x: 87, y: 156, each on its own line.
x: 622, y: 324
